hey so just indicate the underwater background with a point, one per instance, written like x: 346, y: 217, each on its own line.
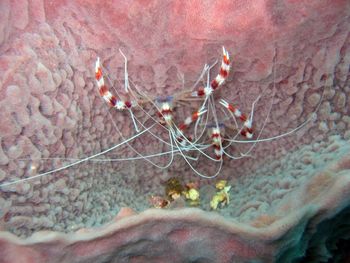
x: 150, y: 164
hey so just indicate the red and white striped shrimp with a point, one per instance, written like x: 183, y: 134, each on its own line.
x: 175, y: 142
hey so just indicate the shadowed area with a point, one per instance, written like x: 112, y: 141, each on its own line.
x: 288, y: 196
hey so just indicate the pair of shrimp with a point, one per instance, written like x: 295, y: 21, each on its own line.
x: 212, y: 125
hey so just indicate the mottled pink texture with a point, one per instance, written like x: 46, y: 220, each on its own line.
x: 50, y: 107
x: 187, y: 235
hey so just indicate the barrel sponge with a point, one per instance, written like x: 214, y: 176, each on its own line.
x: 308, y: 230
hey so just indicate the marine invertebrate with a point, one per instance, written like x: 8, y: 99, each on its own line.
x: 158, y: 201
x: 177, y: 142
x: 221, y: 198
x: 173, y: 188
x: 192, y: 194
x: 50, y: 108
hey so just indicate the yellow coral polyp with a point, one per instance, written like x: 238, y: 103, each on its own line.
x: 221, y: 197
x: 215, y: 202
x: 221, y: 184
x: 173, y: 188
x: 174, y: 195
x: 192, y: 194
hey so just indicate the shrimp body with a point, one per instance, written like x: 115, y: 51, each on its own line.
x: 165, y: 112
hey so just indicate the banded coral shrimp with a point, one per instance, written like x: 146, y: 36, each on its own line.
x: 212, y: 127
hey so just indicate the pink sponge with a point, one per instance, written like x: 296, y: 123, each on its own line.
x: 192, y: 235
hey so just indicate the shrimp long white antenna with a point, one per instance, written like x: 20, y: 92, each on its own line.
x: 252, y: 110
x: 77, y: 162
x: 198, y: 123
x: 205, y: 69
x: 126, y: 76
x: 134, y: 121
x: 178, y: 132
x: 207, y: 90
x: 137, y: 152
x: 131, y: 158
x: 195, y: 170
x: 126, y: 87
x: 286, y: 133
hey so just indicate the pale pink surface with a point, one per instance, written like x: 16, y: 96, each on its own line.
x: 50, y: 106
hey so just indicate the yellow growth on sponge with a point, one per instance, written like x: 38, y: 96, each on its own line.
x: 222, y: 197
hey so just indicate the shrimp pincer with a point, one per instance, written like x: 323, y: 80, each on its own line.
x: 219, y: 79
x: 248, y: 130
x: 112, y: 100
